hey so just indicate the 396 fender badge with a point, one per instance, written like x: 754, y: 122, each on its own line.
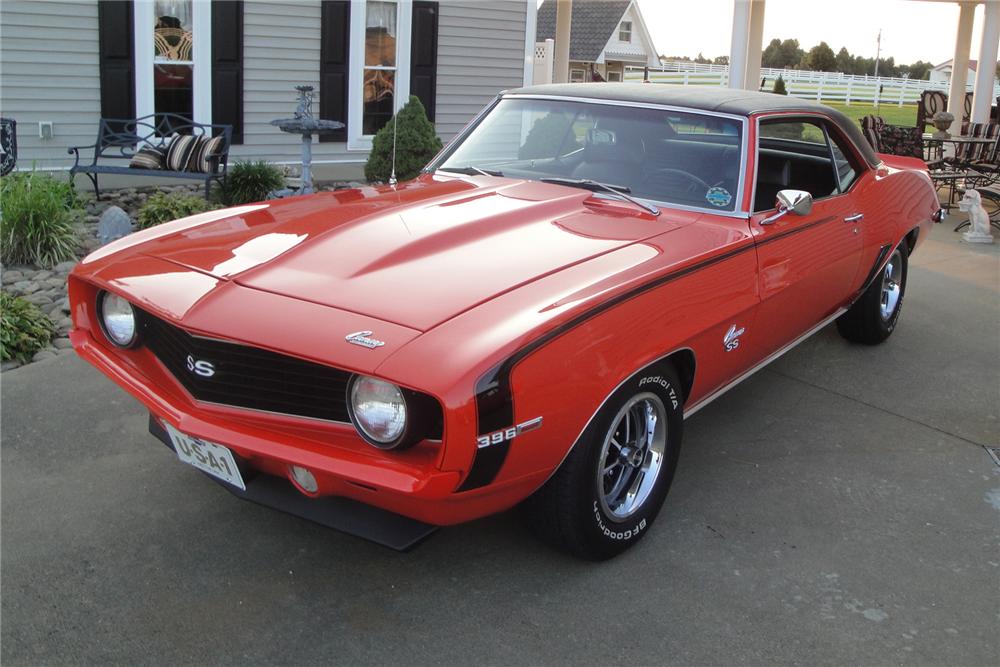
x: 506, y: 434
x: 364, y: 339
x: 731, y: 340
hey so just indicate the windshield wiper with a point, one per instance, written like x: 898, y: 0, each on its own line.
x: 473, y: 170
x: 596, y: 186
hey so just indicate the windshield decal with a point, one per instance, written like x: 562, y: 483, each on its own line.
x: 718, y: 196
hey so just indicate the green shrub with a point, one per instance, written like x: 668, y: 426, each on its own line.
x: 248, y: 182
x: 415, y: 145
x: 162, y: 207
x: 779, y: 87
x: 24, y: 330
x: 38, y: 216
x: 546, y: 136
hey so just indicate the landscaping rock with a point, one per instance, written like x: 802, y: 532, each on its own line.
x: 114, y: 224
x: 64, y: 267
x: 9, y: 365
x: 44, y: 354
x: 25, y: 287
x: 12, y: 277
x: 62, y: 344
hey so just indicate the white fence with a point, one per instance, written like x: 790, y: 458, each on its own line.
x: 820, y: 86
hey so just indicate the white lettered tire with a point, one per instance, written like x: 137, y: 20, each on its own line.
x: 609, y: 490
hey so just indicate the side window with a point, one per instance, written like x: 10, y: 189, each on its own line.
x: 793, y: 155
x: 845, y: 170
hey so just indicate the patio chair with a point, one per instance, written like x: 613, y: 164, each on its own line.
x: 893, y: 139
x: 931, y: 102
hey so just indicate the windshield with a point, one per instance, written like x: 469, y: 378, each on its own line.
x: 675, y: 157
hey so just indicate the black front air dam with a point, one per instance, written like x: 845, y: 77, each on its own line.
x: 348, y: 516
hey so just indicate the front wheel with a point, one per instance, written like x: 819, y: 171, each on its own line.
x: 609, y: 490
x: 873, y: 317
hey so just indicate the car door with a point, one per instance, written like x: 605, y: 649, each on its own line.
x: 807, y: 263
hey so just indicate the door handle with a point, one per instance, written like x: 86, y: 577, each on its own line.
x: 857, y: 217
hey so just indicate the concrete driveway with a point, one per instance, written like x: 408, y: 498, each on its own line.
x: 839, y: 507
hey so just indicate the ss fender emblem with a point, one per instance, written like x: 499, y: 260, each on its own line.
x: 731, y: 340
x: 200, y: 367
x: 507, y: 434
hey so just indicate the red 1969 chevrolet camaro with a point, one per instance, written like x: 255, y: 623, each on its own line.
x: 531, y: 319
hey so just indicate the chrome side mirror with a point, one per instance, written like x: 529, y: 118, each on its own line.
x: 798, y: 202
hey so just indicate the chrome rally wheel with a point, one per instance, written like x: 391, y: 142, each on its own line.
x: 632, y: 455
x: 611, y: 486
x: 892, y: 278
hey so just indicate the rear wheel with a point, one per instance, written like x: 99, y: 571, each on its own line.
x: 873, y: 317
x: 609, y: 490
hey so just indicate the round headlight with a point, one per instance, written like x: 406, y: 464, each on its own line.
x: 378, y: 410
x: 117, y: 319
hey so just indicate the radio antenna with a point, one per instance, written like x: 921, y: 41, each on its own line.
x: 392, y: 176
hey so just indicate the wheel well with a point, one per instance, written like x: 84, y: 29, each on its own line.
x: 684, y: 362
x: 911, y: 239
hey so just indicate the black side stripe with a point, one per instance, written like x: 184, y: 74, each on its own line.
x: 882, y: 254
x: 494, y: 399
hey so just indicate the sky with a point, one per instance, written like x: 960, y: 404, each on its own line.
x: 911, y: 29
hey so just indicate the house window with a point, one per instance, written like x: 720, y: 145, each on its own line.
x: 614, y: 76
x: 380, y: 66
x: 173, y: 47
x: 576, y: 75
x: 625, y: 31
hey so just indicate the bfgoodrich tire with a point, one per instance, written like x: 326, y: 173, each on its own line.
x: 609, y: 490
x: 873, y: 317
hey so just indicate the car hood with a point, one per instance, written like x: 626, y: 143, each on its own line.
x: 415, y: 254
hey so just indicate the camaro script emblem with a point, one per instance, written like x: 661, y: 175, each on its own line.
x: 364, y: 339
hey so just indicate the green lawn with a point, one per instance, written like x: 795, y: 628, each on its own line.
x: 893, y: 114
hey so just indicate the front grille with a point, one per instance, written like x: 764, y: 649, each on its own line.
x: 248, y: 377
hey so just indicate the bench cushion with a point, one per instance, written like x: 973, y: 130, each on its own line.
x: 148, y: 157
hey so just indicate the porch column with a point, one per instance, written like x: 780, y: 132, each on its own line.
x: 986, y: 69
x: 738, y: 44
x: 960, y: 63
x: 564, y: 17
x: 752, y: 79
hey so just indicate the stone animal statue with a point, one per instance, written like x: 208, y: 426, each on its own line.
x: 979, y: 232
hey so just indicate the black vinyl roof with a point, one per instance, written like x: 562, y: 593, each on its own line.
x: 704, y: 98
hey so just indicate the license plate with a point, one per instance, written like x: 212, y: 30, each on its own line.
x: 209, y: 457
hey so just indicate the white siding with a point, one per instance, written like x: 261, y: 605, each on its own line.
x: 281, y: 47
x: 480, y: 53
x: 49, y: 72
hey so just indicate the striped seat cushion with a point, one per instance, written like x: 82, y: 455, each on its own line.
x: 180, y: 151
x: 148, y: 157
x: 201, y: 157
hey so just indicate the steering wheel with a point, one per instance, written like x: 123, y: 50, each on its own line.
x: 665, y: 177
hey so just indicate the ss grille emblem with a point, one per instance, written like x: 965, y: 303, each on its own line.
x: 200, y: 367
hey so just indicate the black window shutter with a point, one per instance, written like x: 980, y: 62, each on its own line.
x: 423, y: 54
x: 335, y: 48
x: 117, y: 59
x: 227, y: 65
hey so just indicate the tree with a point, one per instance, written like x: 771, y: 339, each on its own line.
x: 771, y: 57
x: 845, y: 61
x: 779, y: 87
x: 920, y: 69
x: 700, y: 59
x: 721, y: 60
x: 820, y: 58
x: 416, y: 144
x: 791, y: 54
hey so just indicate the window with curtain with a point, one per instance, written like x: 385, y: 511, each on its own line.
x: 379, y: 65
x: 173, y: 59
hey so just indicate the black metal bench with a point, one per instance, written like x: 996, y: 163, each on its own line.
x: 119, y: 139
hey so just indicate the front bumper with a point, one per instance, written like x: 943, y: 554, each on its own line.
x: 348, y: 516
x: 408, y: 483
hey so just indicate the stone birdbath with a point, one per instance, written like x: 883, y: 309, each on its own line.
x: 305, y: 124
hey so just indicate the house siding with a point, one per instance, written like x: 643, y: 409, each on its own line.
x: 480, y: 53
x: 49, y: 72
